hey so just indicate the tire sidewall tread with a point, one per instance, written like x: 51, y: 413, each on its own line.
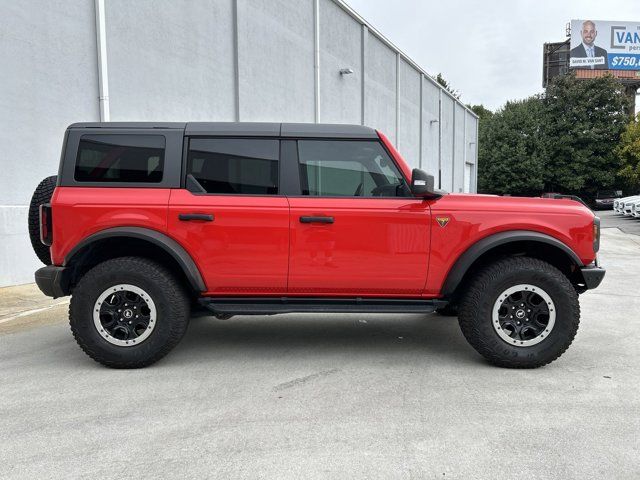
x: 41, y: 195
x: 170, y: 298
x: 476, y: 312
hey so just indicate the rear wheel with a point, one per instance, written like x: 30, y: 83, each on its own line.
x: 128, y: 312
x: 41, y: 195
x: 520, y: 313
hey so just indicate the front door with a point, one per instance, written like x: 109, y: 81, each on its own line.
x: 355, y: 231
x: 232, y: 218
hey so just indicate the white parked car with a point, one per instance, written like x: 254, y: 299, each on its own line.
x: 635, y: 209
x: 624, y: 204
x: 627, y: 209
x: 617, y: 204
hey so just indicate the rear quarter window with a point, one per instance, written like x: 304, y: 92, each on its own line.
x: 120, y: 158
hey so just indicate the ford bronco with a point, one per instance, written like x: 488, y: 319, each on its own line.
x: 146, y: 220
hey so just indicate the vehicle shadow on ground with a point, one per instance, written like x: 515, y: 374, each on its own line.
x: 427, y: 338
x: 297, y: 335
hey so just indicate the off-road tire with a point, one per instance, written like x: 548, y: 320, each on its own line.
x: 477, y: 305
x: 170, y: 299
x: 41, y: 195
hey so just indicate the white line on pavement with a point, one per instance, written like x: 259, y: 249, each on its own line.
x: 31, y: 312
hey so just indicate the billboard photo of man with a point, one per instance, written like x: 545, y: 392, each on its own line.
x: 587, y: 54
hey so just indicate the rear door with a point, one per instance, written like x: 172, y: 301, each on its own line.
x: 355, y: 231
x: 231, y: 216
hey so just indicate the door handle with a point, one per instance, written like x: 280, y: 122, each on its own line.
x: 203, y: 217
x: 316, y: 220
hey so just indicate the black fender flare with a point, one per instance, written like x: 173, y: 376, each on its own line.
x: 169, y: 245
x: 475, y: 251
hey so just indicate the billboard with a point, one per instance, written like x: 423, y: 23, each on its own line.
x: 600, y: 45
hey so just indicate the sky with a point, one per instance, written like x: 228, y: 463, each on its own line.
x: 490, y: 51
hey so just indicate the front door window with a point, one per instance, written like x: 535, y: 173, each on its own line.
x: 348, y: 168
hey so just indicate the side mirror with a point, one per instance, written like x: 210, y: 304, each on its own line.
x: 423, y: 185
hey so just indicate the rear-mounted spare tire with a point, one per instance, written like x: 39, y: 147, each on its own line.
x: 41, y: 195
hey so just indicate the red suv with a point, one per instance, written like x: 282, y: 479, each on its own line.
x: 146, y: 220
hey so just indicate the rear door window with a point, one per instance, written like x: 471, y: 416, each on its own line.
x: 235, y: 166
x: 120, y: 158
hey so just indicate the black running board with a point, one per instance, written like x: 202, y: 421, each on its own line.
x: 270, y: 306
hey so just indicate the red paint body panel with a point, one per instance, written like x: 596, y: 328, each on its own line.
x: 375, y: 247
x: 245, y: 250
x: 473, y: 217
x: 81, y: 211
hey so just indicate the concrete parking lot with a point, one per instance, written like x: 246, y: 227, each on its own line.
x: 327, y: 396
x: 627, y: 224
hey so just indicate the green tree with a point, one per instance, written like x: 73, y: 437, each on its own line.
x: 447, y: 86
x: 581, y: 125
x: 628, y: 153
x: 480, y: 110
x: 511, y: 154
x: 562, y: 141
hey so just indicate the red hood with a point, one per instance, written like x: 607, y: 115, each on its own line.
x: 495, y: 203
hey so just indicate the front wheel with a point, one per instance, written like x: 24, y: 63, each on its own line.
x: 128, y: 312
x: 520, y: 312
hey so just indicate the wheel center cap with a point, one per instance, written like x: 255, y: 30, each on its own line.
x: 520, y: 313
x: 127, y: 313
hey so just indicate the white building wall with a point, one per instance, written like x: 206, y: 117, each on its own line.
x: 409, y: 115
x: 174, y: 67
x: 430, y: 127
x: 340, y: 48
x: 458, y: 149
x: 276, y: 60
x: 380, y: 87
x: 247, y: 60
x: 48, y: 80
x: 447, y: 107
x: 471, y: 158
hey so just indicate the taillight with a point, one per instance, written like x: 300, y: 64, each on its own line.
x: 46, y: 224
x: 596, y: 234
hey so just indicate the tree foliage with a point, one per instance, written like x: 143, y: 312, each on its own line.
x: 583, y: 121
x: 480, y: 110
x: 447, y: 86
x: 628, y: 152
x: 561, y: 141
x: 510, y: 160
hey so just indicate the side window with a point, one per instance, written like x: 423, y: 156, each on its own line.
x: 348, y: 168
x: 120, y: 158
x: 235, y: 165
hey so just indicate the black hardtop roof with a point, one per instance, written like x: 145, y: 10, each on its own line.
x: 250, y: 129
x: 125, y: 125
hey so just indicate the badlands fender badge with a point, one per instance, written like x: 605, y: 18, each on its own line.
x: 442, y: 221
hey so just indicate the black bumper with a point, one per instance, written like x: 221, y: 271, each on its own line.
x: 592, y: 275
x: 53, y: 281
